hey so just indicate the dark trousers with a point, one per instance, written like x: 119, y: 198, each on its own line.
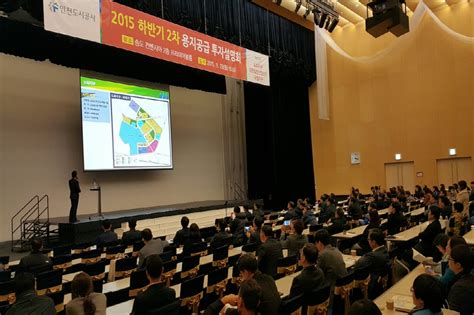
x: 73, y: 211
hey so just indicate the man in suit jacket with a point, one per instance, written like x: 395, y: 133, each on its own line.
x: 311, y: 277
x: 151, y: 247
x: 329, y: 211
x: 330, y: 258
x: 254, y: 235
x: 108, y: 236
x: 295, y: 240
x: 460, y: 290
x: 376, y: 261
x: 269, y: 252
x: 237, y: 226
x: 425, y: 246
x: 74, y: 190
x: 222, y: 237
x: 133, y: 235
x: 182, y: 235
x: 36, y: 259
x: 27, y: 301
x: 157, y: 294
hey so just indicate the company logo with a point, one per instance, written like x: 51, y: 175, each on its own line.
x: 53, y: 6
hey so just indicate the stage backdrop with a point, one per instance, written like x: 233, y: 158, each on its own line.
x: 40, y: 144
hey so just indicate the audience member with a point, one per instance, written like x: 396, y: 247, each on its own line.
x: 27, y: 301
x: 269, y: 252
x: 194, y: 237
x: 308, y: 217
x: 290, y: 211
x: 221, y: 237
x: 463, y: 197
x: 248, y: 214
x: 157, y: 294
x: 270, y: 298
x: 237, y: 226
x: 395, y: 220
x: 246, y: 302
x: 445, y: 205
x: 354, y: 209
x: 35, y: 259
x: 457, y: 222
x: 84, y: 300
x: 294, y: 240
x: 338, y: 224
x: 254, y: 234
x: 375, y: 262
x: 329, y: 211
x: 364, y: 307
x: 427, y: 296
x: 311, y: 277
x: 362, y: 246
x: 182, y: 235
x: 151, y: 247
x: 108, y: 236
x: 460, y: 290
x: 329, y: 258
x: 133, y: 235
x: 425, y: 246
x: 441, y: 268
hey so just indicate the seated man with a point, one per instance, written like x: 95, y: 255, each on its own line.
x: 182, y: 235
x: 270, y: 298
x: 222, y: 236
x: 427, y: 237
x: 133, y: 235
x: 27, y: 302
x: 311, y: 277
x: 461, y: 293
x: 151, y: 247
x: 329, y: 211
x: 329, y: 258
x: 237, y: 226
x: 269, y: 252
x: 157, y: 294
x: 247, y: 301
x: 291, y: 211
x: 36, y: 259
x: 294, y: 240
x: 108, y: 236
x: 254, y: 234
x: 375, y: 261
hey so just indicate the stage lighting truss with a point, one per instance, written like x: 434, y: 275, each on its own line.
x: 324, y: 12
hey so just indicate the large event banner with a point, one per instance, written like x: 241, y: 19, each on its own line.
x: 117, y: 25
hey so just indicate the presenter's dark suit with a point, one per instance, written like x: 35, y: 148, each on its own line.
x: 74, y: 189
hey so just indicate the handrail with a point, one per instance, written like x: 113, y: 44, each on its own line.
x: 30, y: 210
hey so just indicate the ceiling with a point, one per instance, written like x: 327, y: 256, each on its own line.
x: 351, y: 12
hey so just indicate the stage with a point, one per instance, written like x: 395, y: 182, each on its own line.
x: 89, y: 225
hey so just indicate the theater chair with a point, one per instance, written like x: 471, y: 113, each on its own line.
x: 91, y: 256
x: 292, y: 306
x: 318, y: 302
x: 77, y: 250
x: 190, y: 267
x: 58, y: 299
x: 136, y: 247
x: 169, y: 270
x: 4, y: 260
x: 62, y: 250
x: 173, y: 249
x: 170, y: 309
x: 217, y: 281
x: 7, y: 292
x: 5, y: 276
x: 49, y: 282
x: 342, y: 292
x: 220, y: 257
x: 286, y: 266
x: 97, y: 273
x: 115, y: 252
x: 361, y: 281
x: 138, y: 283
x: 314, y: 228
x: 40, y: 269
x: 62, y: 262
x: 166, y: 256
x: 199, y: 249
x: 192, y: 293
x: 249, y: 249
x: 125, y: 266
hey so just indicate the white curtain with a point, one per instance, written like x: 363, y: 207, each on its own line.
x: 235, y: 157
x: 322, y: 38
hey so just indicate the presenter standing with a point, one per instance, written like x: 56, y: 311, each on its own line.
x: 74, y: 189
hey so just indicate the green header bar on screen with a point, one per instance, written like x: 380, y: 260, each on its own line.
x: 123, y: 88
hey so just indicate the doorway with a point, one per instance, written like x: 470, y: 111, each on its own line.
x: 453, y: 170
x: 400, y: 174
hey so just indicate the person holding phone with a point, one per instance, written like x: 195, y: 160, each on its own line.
x: 222, y: 237
x: 292, y: 237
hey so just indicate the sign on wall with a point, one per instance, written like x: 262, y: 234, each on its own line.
x: 116, y: 25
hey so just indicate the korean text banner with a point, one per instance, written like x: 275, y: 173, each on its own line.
x: 126, y: 28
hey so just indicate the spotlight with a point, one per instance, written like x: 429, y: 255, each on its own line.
x: 323, y: 19
x: 278, y: 2
x: 387, y: 16
x: 298, y: 6
x: 333, y: 24
x: 317, y: 16
x: 306, y: 13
